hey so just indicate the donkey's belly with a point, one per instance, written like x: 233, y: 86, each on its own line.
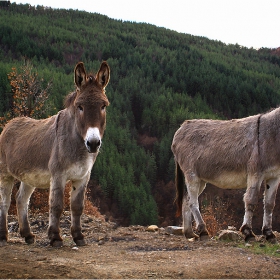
x: 39, y: 179
x: 229, y: 180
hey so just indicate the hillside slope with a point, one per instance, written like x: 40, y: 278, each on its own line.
x: 159, y: 79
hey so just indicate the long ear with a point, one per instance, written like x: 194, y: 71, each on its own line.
x: 80, y: 74
x: 103, y: 75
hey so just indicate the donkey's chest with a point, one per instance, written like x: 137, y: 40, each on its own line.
x: 79, y: 170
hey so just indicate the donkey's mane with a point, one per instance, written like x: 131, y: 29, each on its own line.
x: 69, y: 99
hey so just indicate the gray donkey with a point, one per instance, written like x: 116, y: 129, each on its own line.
x: 231, y: 155
x: 47, y: 153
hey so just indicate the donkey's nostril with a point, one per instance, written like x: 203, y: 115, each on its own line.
x: 93, y: 145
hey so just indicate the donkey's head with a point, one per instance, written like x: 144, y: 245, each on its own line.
x: 89, y: 104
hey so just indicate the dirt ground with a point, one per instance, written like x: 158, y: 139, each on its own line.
x: 128, y: 252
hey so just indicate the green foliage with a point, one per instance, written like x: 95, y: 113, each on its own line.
x: 5, y: 88
x: 267, y: 248
x: 159, y: 78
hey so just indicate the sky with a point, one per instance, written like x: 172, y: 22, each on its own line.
x: 249, y: 23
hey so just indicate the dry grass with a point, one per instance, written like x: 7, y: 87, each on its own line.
x: 216, y: 215
x: 39, y: 202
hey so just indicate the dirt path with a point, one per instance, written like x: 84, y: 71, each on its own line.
x: 128, y: 253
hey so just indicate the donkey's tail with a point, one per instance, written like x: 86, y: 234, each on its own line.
x: 180, y: 188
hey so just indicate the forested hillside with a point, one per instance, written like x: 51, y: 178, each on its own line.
x: 159, y: 78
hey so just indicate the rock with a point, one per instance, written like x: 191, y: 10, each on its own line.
x: 174, y: 230
x: 231, y: 228
x: 152, y: 228
x: 229, y: 235
x: 101, y: 242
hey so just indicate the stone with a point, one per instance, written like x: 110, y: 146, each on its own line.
x: 231, y: 228
x: 229, y: 235
x: 152, y: 228
x: 174, y: 230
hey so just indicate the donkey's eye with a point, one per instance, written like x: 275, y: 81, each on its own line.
x: 103, y: 107
x: 81, y: 108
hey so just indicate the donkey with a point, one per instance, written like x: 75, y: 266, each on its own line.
x: 47, y: 153
x: 229, y: 154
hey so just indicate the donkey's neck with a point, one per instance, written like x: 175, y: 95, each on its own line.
x: 67, y: 133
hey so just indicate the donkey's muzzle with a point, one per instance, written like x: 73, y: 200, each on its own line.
x: 93, y: 146
x: 93, y: 140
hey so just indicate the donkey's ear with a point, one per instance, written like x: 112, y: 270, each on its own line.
x: 80, y: 74
x: 103, y: 75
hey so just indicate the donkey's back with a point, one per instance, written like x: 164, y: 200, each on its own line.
x: 26, y: 146
x: 215, y: 151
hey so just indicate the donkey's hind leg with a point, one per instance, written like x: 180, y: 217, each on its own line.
x: 77, y: 207
x: 269, y: 203
x: 187, y: 218
x: 6, y: 186
x: 22, y: 199
x: 194, y: 190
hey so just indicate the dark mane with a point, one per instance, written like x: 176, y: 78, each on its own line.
x: 69, y: 99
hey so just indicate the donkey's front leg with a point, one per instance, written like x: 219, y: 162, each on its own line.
x: 251, y: 200
x: 56, y: 207
x: 77, y: 207
x: 269, y: 203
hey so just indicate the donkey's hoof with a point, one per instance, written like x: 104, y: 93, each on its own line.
x: 249, y: 235
x: 271, y: 239
x: 269, y: 235
x: 3, y: 243
x: 30, y: 239
x: 190, y: 235
x: 250, y: 238
x: 80, y: 242
x: 204, y: 237
x: 57, y: 243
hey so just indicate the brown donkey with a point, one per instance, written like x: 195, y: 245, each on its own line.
x: 48, y: 153
x: 228, y: 154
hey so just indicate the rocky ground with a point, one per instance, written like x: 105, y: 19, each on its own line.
x: 131, y: 252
